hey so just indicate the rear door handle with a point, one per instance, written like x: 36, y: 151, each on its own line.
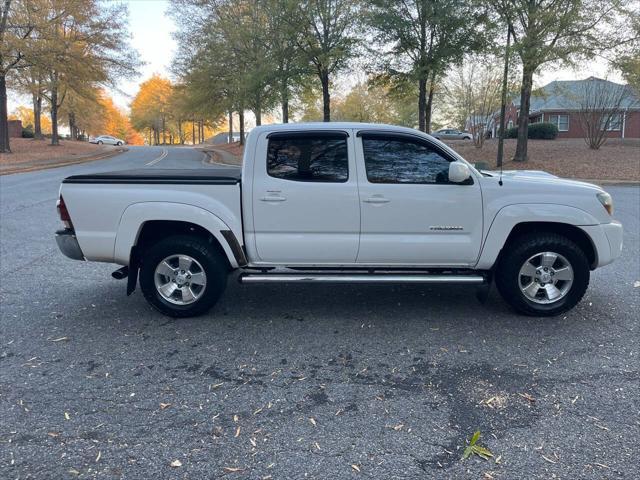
x: 376, y: 200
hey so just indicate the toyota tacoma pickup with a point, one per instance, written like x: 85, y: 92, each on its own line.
x: 341, y: 203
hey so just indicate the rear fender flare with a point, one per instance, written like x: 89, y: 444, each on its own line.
x: 137, y: 214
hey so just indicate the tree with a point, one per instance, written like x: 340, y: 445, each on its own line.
x: 151, y: 106
x: 549, y: 31
x: 289, y: 73
x: 420, y: 38
x: 628, y: 61
x: 373, y: 102
x: 473, y: 92
x: 83, y: 45
x: 30, y: 80
x: 19, y: 20
x: 327, y: 41
x: 600, y: 108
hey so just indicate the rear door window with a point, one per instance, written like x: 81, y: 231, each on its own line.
x: 309, y: 157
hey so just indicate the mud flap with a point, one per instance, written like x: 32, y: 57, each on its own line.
x: 134, y: 266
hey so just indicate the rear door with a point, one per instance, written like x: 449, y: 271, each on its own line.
x: 305, y: 198
x: 411, y: 213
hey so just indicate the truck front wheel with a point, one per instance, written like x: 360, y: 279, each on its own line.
x: 542, y: 274
x: 183, y: 276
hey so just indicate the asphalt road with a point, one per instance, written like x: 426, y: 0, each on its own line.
x: 289, y: 382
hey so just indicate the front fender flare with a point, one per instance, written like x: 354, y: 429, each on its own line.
x: 511, y: 215
x: 137, y: 214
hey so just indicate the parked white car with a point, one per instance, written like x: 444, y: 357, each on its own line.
x: 452, y: 134
x: 341, y: 203
x: 107, y: 140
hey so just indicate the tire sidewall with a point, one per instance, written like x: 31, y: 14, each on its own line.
x: 201, y: 251
x: 508, y: 277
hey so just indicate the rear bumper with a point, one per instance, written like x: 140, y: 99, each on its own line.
x: 68, y: 244
x: 607, y: 240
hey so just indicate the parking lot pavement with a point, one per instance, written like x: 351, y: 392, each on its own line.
x: 308, y: 381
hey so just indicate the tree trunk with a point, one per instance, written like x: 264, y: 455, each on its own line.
x: 164, y: 132
x: 72, y: 126
x: 285, y: 105
x: 326, y: 96
x: 230, y: 126
x: 241, y: 122
x: 422, y: 104
x: 523, y: 117
x: 258, y: 110
x: 193, y: 131
x: 54, y: 116
x: 37, y: 116
x: 4, y: 120
x: 429, y: 106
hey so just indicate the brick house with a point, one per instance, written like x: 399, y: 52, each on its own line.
x: 559, y: 102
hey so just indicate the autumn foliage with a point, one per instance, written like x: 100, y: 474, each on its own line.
x: 161, y: 112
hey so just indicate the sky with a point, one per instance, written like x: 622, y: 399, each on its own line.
x: 151, y: 36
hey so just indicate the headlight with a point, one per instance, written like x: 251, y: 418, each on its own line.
x: 606, y: 201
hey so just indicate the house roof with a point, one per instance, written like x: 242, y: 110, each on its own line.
x: 566, y: 94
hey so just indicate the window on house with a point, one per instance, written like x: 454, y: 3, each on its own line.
x: 309, y: 157
x: 560, y: 121
x: 611, y: 123
x: 510, y: 124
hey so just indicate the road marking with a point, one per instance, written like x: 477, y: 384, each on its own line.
x: 164, y: 153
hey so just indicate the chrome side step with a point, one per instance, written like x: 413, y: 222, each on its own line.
x: 359, y: 278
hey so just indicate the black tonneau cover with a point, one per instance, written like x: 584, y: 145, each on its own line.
x: 217, y: 175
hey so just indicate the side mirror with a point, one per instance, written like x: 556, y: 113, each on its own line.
x: 458, y: 172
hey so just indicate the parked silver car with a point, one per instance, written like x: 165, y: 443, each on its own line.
x: 107, y: 140
x: 452, y: 134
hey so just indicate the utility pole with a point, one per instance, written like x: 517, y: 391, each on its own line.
x: 503, y: 106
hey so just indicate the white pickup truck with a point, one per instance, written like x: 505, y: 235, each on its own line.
x: 341, y: 203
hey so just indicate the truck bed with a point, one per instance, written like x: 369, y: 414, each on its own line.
x: 111, y: 205
x: 217, y: 175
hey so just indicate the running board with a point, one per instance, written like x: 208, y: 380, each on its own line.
x: 362, y: 278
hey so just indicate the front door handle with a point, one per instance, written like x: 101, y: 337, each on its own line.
x: 273, y: 198
x: 376, y: 200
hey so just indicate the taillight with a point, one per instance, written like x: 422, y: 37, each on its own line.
x: 64, y: 213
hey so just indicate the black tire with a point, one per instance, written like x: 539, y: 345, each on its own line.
x: 213, y: 263
x: 518, y: 251
x: 119, y: 144
x: 99, y: 142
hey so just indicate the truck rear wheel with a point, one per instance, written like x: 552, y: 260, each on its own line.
x: 183, y: 276
x: 543, y: 274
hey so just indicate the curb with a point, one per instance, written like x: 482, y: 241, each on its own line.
x: 62, y: 163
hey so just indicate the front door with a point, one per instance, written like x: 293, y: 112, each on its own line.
x: 411, y: 213
x: 305, y: 199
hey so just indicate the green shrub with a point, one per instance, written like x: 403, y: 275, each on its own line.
x: 27, y: 133
x: 537, y: 131
x: 543, y: 131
